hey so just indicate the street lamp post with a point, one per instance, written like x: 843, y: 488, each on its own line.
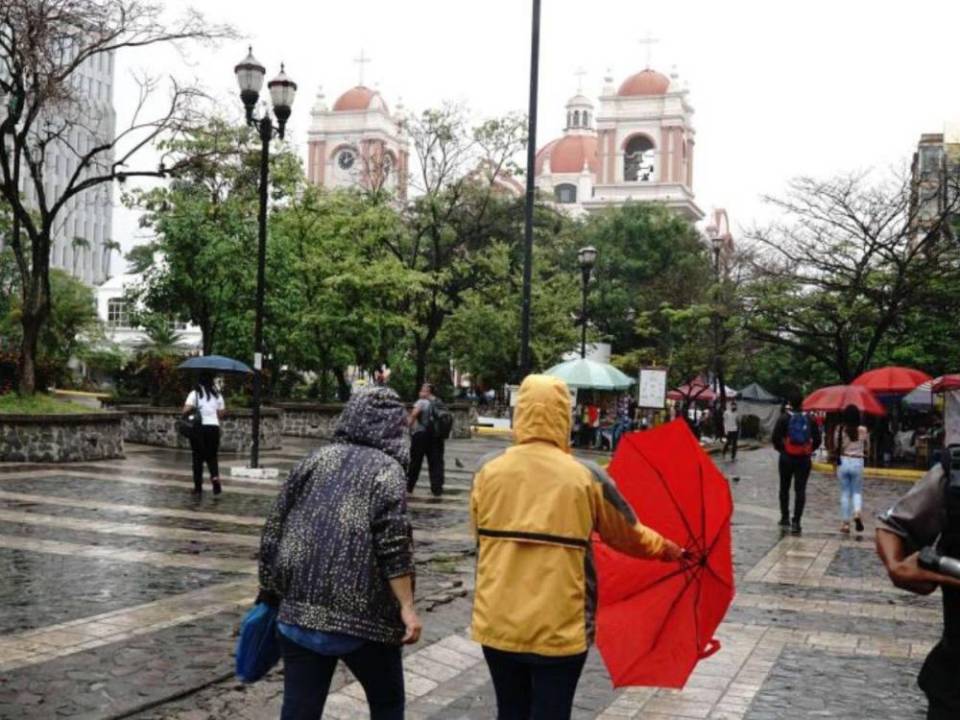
x: 716, y: 244
x: 587, y: 257
x: 250, y: 74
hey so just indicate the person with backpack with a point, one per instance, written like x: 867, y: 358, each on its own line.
x: 205, y: 439
x: 796, y: 437
x: 430, y: 425
x: 851, y: 448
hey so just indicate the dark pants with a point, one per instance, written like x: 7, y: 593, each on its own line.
x: 425, y: 444
x: 938, y: 679
x: 205, y: 448
x: 533, y: 687
x: 795, y: 469
x: 731, y: 444
x: 307, y: 676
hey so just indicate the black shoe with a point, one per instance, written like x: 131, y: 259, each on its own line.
x: 858, y: 524
x: 795, y: 527
x: 197, y: 491
x: 784, y: 522
x: 217, y: 488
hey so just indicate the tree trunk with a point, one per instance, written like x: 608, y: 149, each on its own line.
x: 343, y: 387
x: 421, y: 349
x: 36, y: 306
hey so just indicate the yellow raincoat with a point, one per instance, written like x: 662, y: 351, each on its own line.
x: 534, y: 508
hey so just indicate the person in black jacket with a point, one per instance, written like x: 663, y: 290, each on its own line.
x: 336, y: 558
x: 796, y: 437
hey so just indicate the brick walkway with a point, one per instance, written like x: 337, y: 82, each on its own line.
x: 122, y: 595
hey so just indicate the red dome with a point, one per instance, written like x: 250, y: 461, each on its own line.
x: 358, y: 98
x: 568, y: 155
x: 646, y: 82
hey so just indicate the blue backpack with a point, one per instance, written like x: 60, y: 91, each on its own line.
x: 799, y: 440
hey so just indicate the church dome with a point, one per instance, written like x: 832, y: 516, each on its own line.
x: 646, y: 82
x: 359, y: 98
x: 569, y: 154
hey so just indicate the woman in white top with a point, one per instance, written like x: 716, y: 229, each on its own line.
x: 852, y: 448
x: 205, y: 444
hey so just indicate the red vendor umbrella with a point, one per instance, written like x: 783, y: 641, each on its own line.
x: 835, y: 398
x: 946, y: 383
x: 893, y: 380
x: 656, y: 620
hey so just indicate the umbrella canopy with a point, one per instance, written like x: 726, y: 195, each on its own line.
x: 892, y: 380
x: 946, y: 383
x: 590, y: 375
x: 656, y: 620
x: 214, y: 363
x: 697, y: 390
x: 921, y: 397
x: 835, y: 398
x: 757, y: 393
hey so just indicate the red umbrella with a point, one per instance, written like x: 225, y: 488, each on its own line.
x: 892, y: 379
x: 695, y: 391
x: 656, y: 620
x: 836, y: 397
x: 946, y: 383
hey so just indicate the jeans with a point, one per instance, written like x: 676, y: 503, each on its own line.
x: 205, y: 448
x: 850, y: 472
x: 425, y: 444
x: 731, y: 443
x: 795, y: 469
x: 307, y: 676
x: 533, y: 687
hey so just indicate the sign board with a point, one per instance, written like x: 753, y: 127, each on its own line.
x: 514, y: 392
x: 652, y: 392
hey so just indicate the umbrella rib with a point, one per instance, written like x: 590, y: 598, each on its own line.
x: 691, y: 536
x: 669, y: 576
x: 675, y: 603
x: 703, y: 509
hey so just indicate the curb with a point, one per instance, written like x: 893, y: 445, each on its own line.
x: 910, y: 476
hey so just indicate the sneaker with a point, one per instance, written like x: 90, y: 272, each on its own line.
x: 217, y: 488
x: 795, y: 527
x: 858, y: 524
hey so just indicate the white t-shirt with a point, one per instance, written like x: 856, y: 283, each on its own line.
x: 731, y: 421
x: 208, y: 406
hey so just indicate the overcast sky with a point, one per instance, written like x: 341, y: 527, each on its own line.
x: 779, y: 88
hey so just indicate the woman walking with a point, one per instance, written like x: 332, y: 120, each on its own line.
x: 336, y: 558
x: 205, y: 444
x: 852, y: 448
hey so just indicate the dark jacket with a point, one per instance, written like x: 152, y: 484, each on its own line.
x: 780, y: 433
x: 339, y: 530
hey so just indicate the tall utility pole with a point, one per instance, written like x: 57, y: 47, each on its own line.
x: 525, y: 360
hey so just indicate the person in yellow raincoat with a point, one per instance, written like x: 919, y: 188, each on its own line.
x: 534, y: 508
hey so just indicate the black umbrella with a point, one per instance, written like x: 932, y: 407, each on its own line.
x: 215, y: 363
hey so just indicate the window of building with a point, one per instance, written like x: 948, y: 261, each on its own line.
x: 566, y: 193
x: 118, y: 313
x: 576, y: 118
x: 639, y: 160
x: 930, y: 160
x: 586, y: 118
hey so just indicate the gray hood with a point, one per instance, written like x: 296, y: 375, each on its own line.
x: 375, y: 417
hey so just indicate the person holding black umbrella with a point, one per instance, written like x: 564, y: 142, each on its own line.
x: 205, y: 442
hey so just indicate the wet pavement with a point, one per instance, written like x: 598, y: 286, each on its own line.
x: 122, y: 594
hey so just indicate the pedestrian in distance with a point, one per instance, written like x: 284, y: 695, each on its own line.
x: 534, y: 508
x: 796, y: 437
x: 851, y: 448
x: 430, y: 425
x: 207, y: 400
x: 336, y: 559
x: 731, y: 431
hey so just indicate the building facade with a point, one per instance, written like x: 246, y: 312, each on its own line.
x: 636, y: 146
x: 935, y: 181
x: 358, y: 142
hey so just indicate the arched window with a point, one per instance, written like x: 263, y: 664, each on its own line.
x: 565, y: 194
x: 576, y: 118
x: 586, y: 119
x: 639, y: 160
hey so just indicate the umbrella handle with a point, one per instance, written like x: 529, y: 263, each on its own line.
x: 712, y: 647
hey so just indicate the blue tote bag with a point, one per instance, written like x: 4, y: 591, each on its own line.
x: 258, y: 649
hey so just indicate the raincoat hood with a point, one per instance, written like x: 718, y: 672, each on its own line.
x: 375, y: 417
x: 543, y: 412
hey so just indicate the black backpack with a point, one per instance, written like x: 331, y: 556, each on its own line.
x: 441, y: 420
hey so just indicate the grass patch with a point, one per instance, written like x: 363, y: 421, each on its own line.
x: 39, y: 404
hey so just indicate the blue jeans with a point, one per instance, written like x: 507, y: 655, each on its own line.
x: 850, y: 473
x: 533, y: 687
x: 307, y: 676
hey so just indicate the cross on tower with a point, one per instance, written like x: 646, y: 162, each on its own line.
x: 580, y: 72
x: 361, y: 61
x: 649, y: 41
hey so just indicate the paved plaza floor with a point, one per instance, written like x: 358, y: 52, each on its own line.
x: 121, y: 596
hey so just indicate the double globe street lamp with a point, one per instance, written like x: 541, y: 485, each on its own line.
x: 250, y: 75
x: 587, y: 258
x: 716, y: 244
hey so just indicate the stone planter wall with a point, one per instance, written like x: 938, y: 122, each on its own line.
x: 319, y: 420
x: 61, y: 438
x: 157, y: 426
